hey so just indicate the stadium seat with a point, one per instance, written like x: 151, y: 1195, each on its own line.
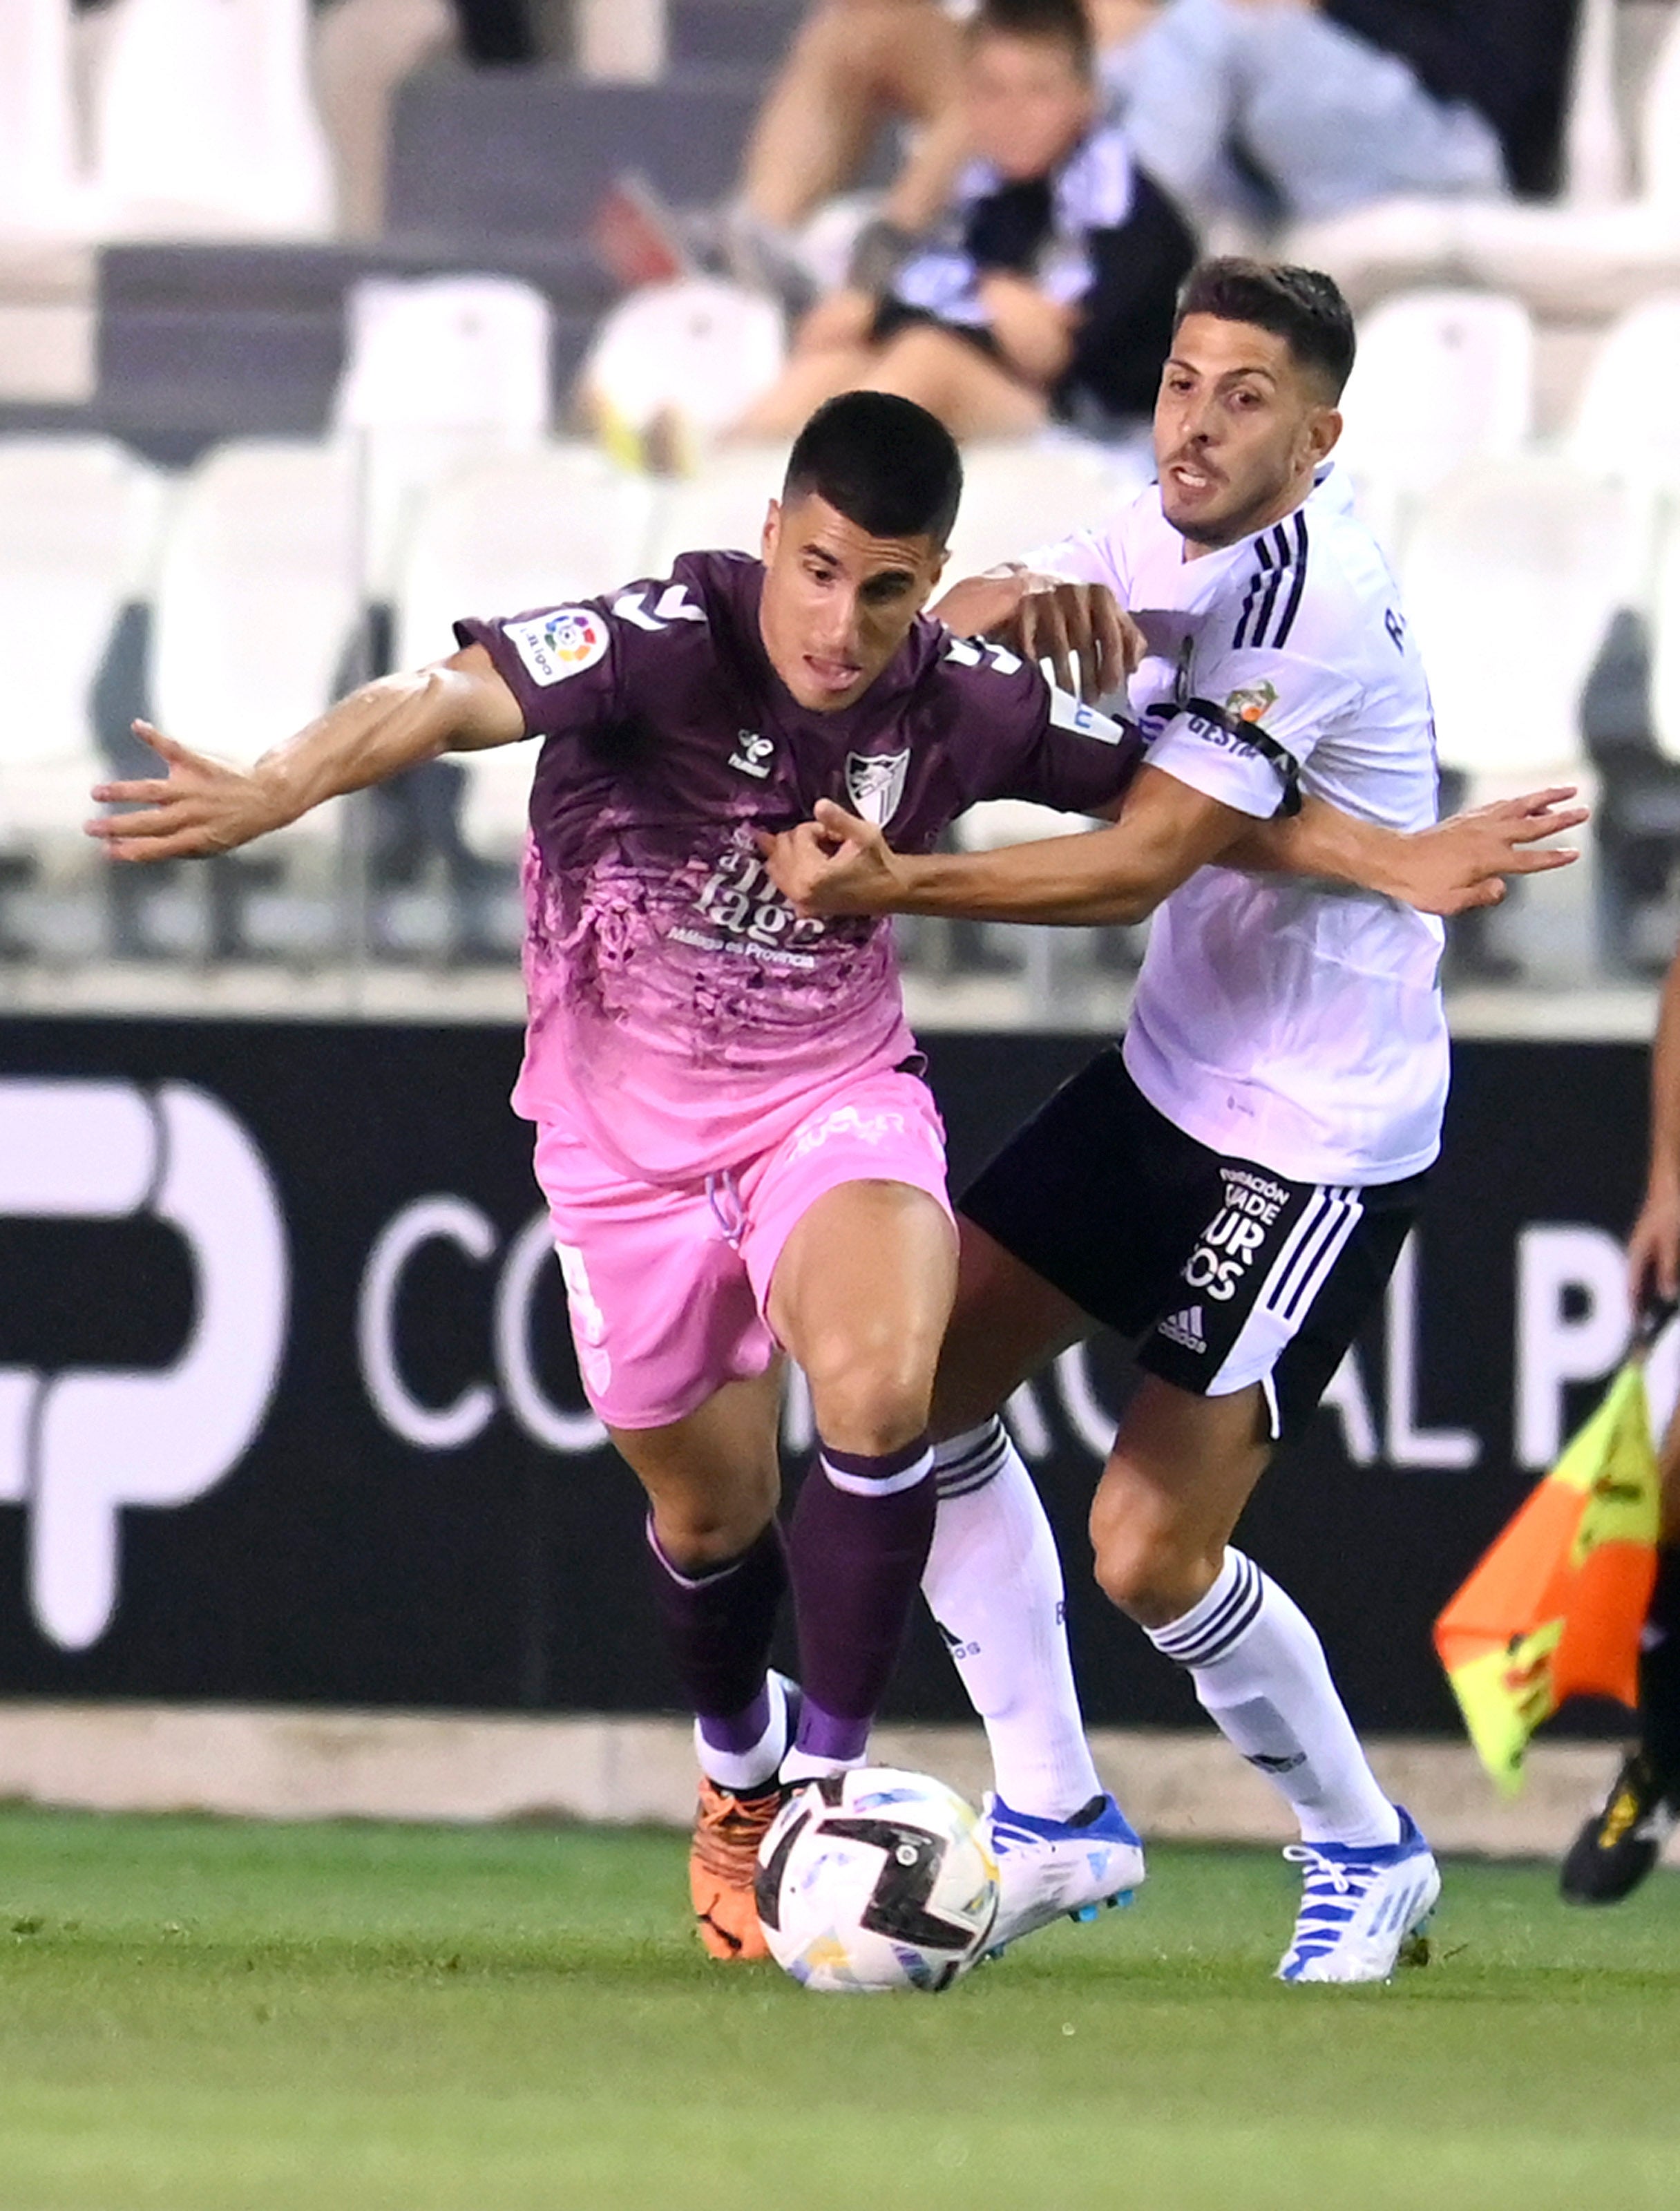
x: 699, y: 351
x: 1659, y: 125
x: 1616, y: 431
x: 205, y: 125
x: 502, y: 536
x: 1016, y: 497
x: 38, y: 186
x: 257, y: 608
x: 1636, y: 821
x: 1512, y: 573
x: 1665, y: 639
x: 1595, y: 154
x: 78, y: 521
x: 723, y: 506
x: 439, y: 371
x: 1442, y: 378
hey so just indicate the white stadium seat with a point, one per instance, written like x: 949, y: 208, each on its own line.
x: 257, y: 596
x: 525, y: 530
x: 205, y: 123
x: 722, y: 507
x: 39, y: 189
x: 1512, y: 573
x: 1442, y: 378
x: 439, y: 371
x: 1616, y: 430
x: 700, y: 349
x: 1016, y: 496
x: 1660, y: 124
x: 78, y: 521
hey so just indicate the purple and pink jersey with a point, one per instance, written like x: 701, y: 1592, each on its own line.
x: 683, y: 1018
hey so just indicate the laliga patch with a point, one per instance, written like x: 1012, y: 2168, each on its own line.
x: 1253, y: 704
x: 875, y: 785
x: 559, y: 644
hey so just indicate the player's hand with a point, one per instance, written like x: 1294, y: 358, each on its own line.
x: 199, y: 805
x: 1653, y: 1249
x: 1462, y: 863
x: 835, y: 864
x: 1056, y: 621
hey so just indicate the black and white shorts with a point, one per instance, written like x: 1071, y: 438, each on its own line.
x: 1225, y: 1273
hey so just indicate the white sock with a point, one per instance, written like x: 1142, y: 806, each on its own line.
x: 1260, y: 1673
x: 993, y: 1585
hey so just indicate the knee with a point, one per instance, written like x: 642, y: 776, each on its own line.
x: 1147, y: 1567
x: 871, y: 1402
x: 919, y: 355
x: 696, y: 1533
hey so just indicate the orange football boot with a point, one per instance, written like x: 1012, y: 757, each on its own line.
x: 723, y: 1859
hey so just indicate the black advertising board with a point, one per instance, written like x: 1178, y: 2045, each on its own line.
x: 289, y: 1413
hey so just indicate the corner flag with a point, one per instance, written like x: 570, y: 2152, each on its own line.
x: 1555, y: 1609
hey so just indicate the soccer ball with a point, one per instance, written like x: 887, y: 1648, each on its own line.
x: 876, y: 1878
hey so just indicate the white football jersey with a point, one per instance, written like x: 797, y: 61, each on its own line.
x: 1298, y: 1024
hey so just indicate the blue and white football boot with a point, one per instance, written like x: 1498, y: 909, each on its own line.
x: 1051, y: 1869
x: 1360, y: 1906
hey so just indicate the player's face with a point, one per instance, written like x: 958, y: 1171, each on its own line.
x: 1240, y: 426
x: 1027, y: 103
x: 837, y: 602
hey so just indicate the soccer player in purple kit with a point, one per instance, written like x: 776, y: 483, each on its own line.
x: 738, y: 1153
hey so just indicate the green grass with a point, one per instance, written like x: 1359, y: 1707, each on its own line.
x: 215, y: 2017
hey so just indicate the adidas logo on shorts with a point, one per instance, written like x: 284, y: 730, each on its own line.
x: 1184, y: 1329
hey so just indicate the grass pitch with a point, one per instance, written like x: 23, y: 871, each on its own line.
x: 215, y: 2017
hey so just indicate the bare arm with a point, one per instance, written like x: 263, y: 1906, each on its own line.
x: 1457, y: 864
x: 838, y: 864
x: 1035, y: 334
x: 1653, y: 1248
x: 201, y: 805
x: 1046, y: 618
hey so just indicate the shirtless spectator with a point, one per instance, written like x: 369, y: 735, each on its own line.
x: 1049, y: 288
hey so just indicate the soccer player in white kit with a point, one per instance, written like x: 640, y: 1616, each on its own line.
x: 1230, y: 1187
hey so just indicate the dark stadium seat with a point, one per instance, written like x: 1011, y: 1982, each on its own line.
x: 1639, y: 802
x: 492, y: 157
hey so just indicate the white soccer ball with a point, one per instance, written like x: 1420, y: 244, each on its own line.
x: 876, y: 1878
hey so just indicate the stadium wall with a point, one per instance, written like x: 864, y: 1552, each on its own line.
x: 288, y: 1417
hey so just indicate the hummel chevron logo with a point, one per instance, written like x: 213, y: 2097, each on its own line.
x: 1184, y: 1329
x: 752, y: 753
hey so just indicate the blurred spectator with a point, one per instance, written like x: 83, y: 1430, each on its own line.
x: 856, y: 65
x: 1306, y: 109
x: 1049, y: 287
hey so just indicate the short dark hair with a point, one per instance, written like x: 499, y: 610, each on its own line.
x: 1064, y: 21
x: 884, y: 463
x: 1302, y: 307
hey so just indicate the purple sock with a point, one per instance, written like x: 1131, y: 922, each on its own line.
x: 718, y: 1626
x: 859, y: 1541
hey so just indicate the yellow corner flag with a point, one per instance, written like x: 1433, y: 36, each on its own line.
x: 1554, y: 1611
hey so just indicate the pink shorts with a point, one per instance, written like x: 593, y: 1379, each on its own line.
x: 668, y: 1284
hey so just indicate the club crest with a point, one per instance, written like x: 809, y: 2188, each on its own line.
x: 875, y: 784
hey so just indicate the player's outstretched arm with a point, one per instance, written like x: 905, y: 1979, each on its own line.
x: 837, y: 864
x: 1046, y: 618
x: 200, y: 805
x: 1457, y: 864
